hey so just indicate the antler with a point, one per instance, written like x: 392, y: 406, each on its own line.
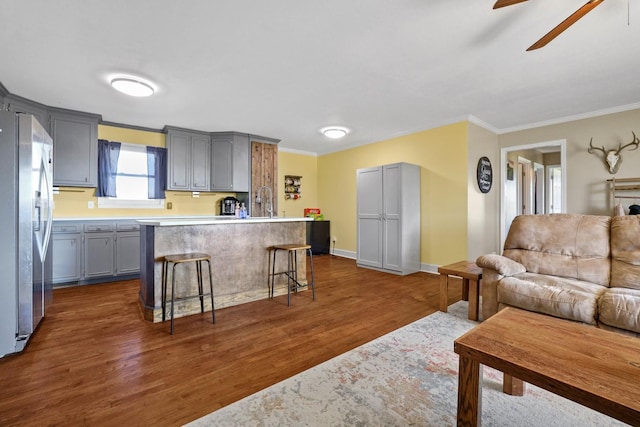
x: 591, y: 147
x: 635, y: 142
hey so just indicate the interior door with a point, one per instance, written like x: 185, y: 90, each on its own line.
x: 525, y: 187
x: 538, y: 186
x: 554, y: 189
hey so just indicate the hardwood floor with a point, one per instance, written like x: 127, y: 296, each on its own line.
x: 95, y: 361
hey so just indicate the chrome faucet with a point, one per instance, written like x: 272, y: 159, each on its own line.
x: 270, y: 202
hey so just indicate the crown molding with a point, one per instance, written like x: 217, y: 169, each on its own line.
x: 566, y: 119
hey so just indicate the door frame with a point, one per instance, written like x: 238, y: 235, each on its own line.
x: 562, y: 145
x: 524, y: 186
x: 548, y: 186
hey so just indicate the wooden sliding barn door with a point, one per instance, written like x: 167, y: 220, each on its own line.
x: 264, y: 171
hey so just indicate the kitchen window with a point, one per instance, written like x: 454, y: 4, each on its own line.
x: 129, y: 174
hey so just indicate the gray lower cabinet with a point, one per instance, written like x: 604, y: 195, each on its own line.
x: 388, y: 209
x: 189, y: 160
x: 127, y: 252
x: 75, y: 148
x: 98, y: 254
x: 95, y: 251
x: 66, y: 244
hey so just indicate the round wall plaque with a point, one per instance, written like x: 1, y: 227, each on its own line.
x: 484, y: 173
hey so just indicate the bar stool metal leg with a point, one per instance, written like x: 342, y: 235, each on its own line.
x: 213, y: 311
x: 200, y: 292
x: 173, y: 293
x: 164, y: 289
x: 289, y: 260
x: 313, y: 281
x: 273, y: 273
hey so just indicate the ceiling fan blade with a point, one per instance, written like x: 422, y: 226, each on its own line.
x: 588, y: 7
x: 503, y: 3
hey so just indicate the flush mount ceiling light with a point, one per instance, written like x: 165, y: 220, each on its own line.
x: 335, y: 132
x: 132, y: 87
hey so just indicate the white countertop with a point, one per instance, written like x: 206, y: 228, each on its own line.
x: 173, y: 221
x: 164, y: 218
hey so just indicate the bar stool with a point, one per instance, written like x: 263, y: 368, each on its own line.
x: 292, y: 269
x: 180, y: 259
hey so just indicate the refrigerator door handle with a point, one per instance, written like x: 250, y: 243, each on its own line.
x: 49, y: 192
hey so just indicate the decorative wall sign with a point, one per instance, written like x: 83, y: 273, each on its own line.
x: 484, y: 173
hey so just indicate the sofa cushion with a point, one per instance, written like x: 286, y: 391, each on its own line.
x: 625, y: 252
x: 620, y: 308
x: 564, y: 245
x: 556, y: 296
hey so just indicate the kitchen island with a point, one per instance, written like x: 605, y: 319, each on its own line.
x: 239, y: 259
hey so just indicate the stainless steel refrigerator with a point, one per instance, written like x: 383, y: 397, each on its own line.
x: 26, y: 207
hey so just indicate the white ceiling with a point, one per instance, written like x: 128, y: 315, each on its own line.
x: 287, y: 68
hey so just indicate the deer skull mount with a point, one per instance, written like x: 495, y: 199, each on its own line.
x: 612, y: 158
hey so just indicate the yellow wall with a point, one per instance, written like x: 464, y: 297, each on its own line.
x: 73, y: 202
x: 442, y: 155
x: 329, y: 183
x: 302, y: 165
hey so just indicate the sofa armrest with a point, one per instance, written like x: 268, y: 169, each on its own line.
x: 501, y: 264
x: 494, y: 268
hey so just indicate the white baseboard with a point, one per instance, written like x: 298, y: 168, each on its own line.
x: 344, y: 254
x: 427, y: 268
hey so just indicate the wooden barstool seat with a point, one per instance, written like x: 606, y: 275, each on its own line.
x: 177, y: 259
x: 292, y: 269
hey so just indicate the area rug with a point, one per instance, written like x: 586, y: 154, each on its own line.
x: 408, y: 377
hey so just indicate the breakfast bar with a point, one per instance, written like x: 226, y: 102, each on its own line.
x: 239, y: 258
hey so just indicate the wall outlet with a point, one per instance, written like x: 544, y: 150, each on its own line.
x: 334, y: 239
x: 169, y: 205
x: 90, y: 204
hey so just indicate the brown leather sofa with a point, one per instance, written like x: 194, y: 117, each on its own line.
x: 579, y: 267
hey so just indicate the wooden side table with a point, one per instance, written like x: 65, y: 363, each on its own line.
x: 471, y: 275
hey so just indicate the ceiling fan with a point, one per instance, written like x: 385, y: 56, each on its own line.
x: 588, y: 7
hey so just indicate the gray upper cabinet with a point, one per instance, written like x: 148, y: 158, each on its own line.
x: 75, y: 148
x: 388, y: 209
x: 189, y: 160
x: 179, y: 153
x: 75, y: 140
x: 241, y: 162
x: 222, y: 164
x: 200, y: 162
x: 3, y: 93
x: 22, y: 105
x: 230, y: 161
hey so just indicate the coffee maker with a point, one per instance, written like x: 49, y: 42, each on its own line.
x: 228, y: 206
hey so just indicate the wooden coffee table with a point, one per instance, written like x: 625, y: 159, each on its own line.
x: 596, y: 368
x: 471, y: 275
